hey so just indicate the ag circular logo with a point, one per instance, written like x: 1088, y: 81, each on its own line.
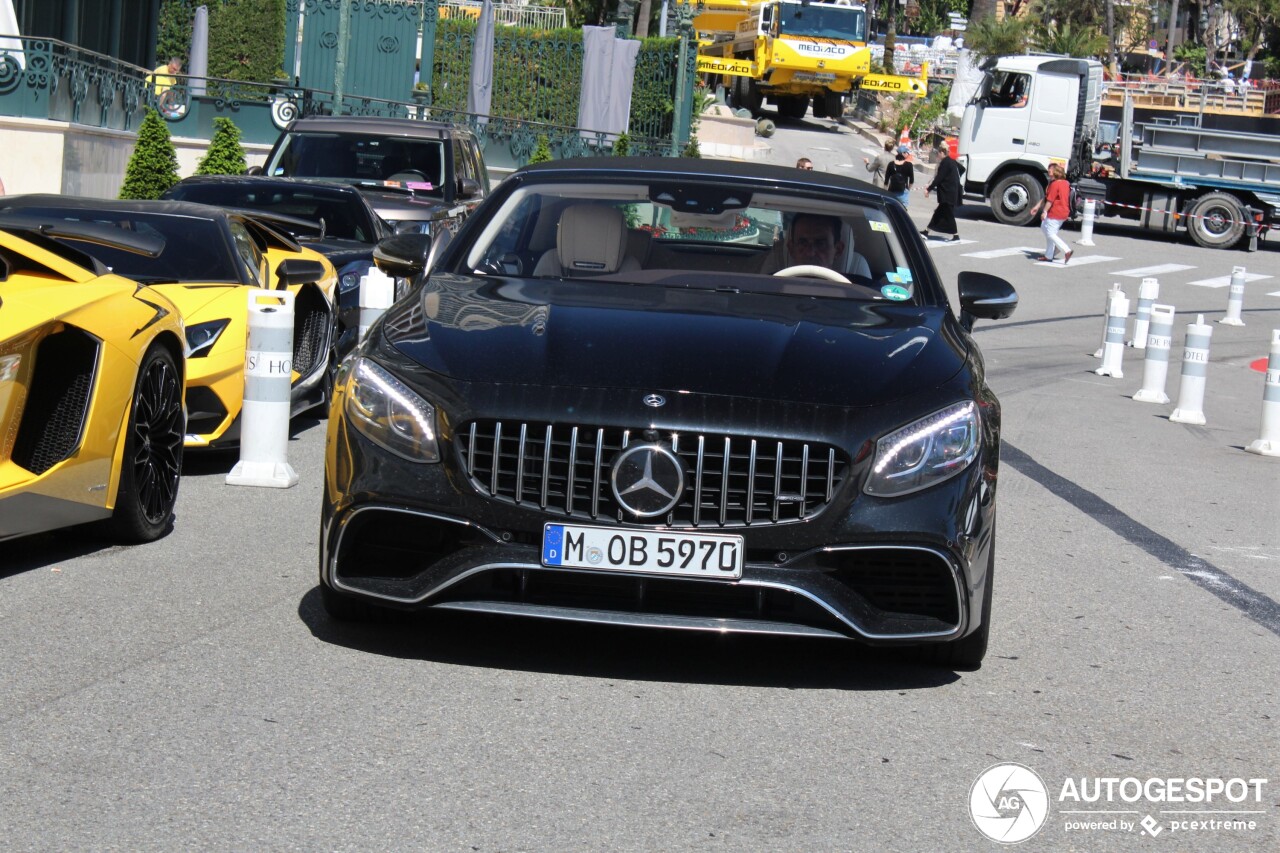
x: 1008, y: 803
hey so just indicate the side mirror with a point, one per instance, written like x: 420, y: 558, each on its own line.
x: 984, y: 296
x: 468, y: 188
x: 298, y: 271
x: 253, y: 170
x: 404, y: 255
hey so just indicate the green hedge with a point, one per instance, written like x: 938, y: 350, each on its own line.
x: 246, y: 37
x: 539, y: 75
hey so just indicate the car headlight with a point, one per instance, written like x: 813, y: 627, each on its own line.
x: 390, y: 414
x: 202, y: 336
x: 410, y: 226
x: 926, y: 452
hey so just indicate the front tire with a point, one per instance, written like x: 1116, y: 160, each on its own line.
x: 1014, y: 196
x: 1217, y: 220
x: 152, y: 460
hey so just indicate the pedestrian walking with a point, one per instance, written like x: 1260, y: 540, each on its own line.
x: 877, y: 166
x: 1056, y: 206
x: 900, y: 177
x: 946, y: 189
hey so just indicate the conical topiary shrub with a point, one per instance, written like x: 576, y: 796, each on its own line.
x: 153, y: 168
x: 541, y: 151
x: 622, y: 146
x: 225, y: 156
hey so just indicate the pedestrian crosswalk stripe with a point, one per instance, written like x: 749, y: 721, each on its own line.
x: 1077, y: 262
x: 1225, y: 280
x: 933, y: 244
x: 1005, y: 253
x: 1159, y: 269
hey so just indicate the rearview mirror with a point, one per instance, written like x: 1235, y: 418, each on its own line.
x: 298, y: 271
x: 468, y: 188
x: 984, y: 296
x: 404, y: 255
x: 253, y: 170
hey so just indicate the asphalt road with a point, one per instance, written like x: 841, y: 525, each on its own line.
x: 191, y: 695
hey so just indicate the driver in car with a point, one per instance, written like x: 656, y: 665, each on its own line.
x: 814, y: 240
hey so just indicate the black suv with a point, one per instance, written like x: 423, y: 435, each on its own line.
x: 420, y: 176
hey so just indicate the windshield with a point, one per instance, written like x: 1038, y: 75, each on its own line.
x: 342, y: 216
x: 847, y: 23
x: 194, y: 249
x: 414, y: 163
x: 694, y: 235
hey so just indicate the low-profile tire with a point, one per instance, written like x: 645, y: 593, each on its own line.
x: 1217, y: 221
x: 968, y: 652
x: 1014, y: 196
x: 152, y: 460
x: 344, y: 608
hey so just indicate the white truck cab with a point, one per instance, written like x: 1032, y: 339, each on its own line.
x: 1028, y: 112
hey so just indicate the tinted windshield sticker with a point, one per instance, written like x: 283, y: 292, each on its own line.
x: 896, y: 292
x: 904, y: 275
x: 877, y: 225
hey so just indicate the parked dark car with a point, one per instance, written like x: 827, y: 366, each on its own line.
x: 631, y: 392
x: 418, y: 175
x: 332, y: 219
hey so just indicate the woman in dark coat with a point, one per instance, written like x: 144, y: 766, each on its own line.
x: 946, y: 185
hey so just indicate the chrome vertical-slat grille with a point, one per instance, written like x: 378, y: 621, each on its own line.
x: 730, y: 481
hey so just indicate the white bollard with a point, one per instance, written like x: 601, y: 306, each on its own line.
x: 1155, y: 369
x: 1148, y: 293
x: 1235, y: 300
x: 1106, y: 320
x: 1269, y: 443
x: 1113, y: 345
x: 377, y: 292
x: 1195, y: 366
x: 268, y: 374
x: 1086, y: 224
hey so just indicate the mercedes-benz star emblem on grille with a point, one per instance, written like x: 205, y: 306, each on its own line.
x: 655, y: 400
x: 648, y: 480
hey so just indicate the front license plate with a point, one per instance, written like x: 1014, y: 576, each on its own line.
x: 701, y: 555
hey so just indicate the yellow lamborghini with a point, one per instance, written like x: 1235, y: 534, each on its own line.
x: 91, y: 373
x: 209, y: 258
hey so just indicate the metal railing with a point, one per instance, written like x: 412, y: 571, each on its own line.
x: 508, y: 14
x: 1181, y: 93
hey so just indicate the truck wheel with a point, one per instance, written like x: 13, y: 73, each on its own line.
x: 1014, y: 196
x: 1217, y: 220
x: 746, y: 95
x: 794, y: 106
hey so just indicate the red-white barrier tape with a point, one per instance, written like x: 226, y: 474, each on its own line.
x: 1262, y: 226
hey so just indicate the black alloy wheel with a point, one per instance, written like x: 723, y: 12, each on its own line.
x: 153, y: 451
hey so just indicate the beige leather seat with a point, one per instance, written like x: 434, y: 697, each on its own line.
x: 591, y: 240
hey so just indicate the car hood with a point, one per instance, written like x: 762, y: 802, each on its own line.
x: 199, y: 302
x: 339, y: 251
x: 397, y: 205
x: 839, y: 352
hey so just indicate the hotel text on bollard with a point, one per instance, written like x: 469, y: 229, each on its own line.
x: 1235, y: 299
x: 1269, y: 443
x: 268, y: 375
x: 1155, y: 368
x: 1195, y: 368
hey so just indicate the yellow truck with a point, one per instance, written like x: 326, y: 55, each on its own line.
x: 790, y: 53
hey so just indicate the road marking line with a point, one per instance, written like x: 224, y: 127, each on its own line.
x: 1159, y: 269
x: 1225, y: 280
x: 935, y: 243
x: 1005, y: 253
x: 1077, y: 262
